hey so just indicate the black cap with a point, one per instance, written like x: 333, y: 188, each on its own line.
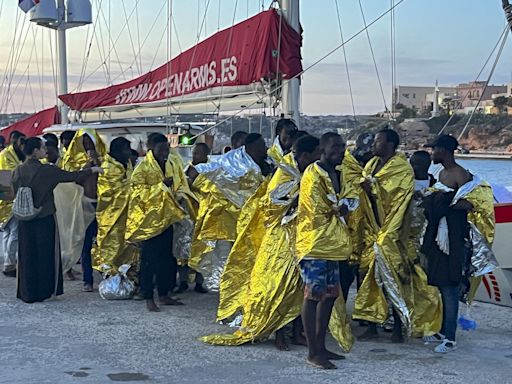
x: 447, y: 142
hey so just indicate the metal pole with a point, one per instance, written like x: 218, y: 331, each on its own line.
x: 291, y: 88
x: 62, y: 57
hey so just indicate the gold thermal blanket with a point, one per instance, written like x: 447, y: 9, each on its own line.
x: 153, y: 206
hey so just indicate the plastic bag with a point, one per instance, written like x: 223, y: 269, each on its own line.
x: 466, y: 322
x: 117, y: 287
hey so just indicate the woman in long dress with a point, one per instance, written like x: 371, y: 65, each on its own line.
x: 39, y: 264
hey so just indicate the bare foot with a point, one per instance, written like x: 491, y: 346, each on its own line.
x: 151, y: 306
x: 166, y: 300
x: 320, y: 362
x: 368, y: 335
x: 280, y: 342
x: 332, y: 356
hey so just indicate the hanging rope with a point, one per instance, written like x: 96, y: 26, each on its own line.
x: 346, y: 63
x: 393, y: 58
x: 314, y: 64
x: 386, y: 109
x: 476, y: 78
x: 486, y: 83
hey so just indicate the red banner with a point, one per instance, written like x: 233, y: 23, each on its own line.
x: 34, y: 124
x: 241, y: 55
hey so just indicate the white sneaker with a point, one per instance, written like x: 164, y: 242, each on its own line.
x: 446, y: 346
x: 435, y: 338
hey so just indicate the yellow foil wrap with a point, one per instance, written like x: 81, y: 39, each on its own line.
x: 153, y: 206
x: 482, y: 216
x: 275, y: 152
x: 352, y: 171
x: 8, y: 162
x: 223, y: 187
x: 241, y: 259
x: 425, y: 300
x: 321, y: 234
x: 275, y: 293
x: 110, y: 252
x: 75, y: 157
x: 385, y: 254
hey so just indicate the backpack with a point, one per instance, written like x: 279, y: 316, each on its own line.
x: 23, y: 207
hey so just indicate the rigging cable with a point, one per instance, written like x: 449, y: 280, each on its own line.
x: 493, y: 68
x: 393, y: 59
x: 346, y: 62
x: 314, y: 64
x: 386, y: 110
x: 505, y: 31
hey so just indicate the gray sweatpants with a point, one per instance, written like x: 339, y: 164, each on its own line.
x: 10, y: 244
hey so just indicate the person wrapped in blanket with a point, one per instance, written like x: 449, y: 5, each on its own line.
x: 283, y: 142
x: 152, y: 210
x: 10, y: 158
x: 323, y: 239
x: 241, y: 260
x: 86, y: 150
x: 111, y: 251
x: 458, y: 238
x: 272, y: 296
x: 184, y: 230
x: 352, y: 167
x: 393, y: 279
x: 225, y: 185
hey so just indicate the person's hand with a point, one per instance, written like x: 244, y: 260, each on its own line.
x: 97, y: 170
x: 94, y: 158
x: 418, y: 195
x: 343, y: 210
x: 168, y: 182
x: 192, y: 173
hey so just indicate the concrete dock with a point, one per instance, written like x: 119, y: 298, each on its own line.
x: 80, y: 338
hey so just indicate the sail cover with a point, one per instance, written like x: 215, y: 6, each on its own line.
x: 231, y: 62
x: 33, y: 125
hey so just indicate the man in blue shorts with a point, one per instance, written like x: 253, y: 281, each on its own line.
x: 322, y: 241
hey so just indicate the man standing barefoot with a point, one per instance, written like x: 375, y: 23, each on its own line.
x: 322, y: 241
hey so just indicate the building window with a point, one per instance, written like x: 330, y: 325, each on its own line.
x: 413, y: 95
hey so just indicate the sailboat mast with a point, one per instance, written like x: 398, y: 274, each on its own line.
x: 291, y: 88
x: 62, y: 57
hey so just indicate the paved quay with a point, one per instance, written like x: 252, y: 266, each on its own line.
x: 80, y: 338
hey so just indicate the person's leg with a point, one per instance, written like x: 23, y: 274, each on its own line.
x: 183, y: 278
x: 147, y: 271
x: 10, y: 237
x: 166, y: 268
x: 199, y: 284
x: 315, y: 285
x: 397, y: 336
x: 450, y: 297
x: 86, y: 261
x: 324, y: 308
x: 280, y: 341
x: 347, y: 277
x: 298, y: 332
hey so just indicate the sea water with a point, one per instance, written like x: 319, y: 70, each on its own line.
x: 494, y: 171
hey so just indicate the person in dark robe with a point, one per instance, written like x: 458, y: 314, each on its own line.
x: 39, y: 264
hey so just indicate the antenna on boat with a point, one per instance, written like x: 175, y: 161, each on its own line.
x: 61, y: 17
x: 291, y: 88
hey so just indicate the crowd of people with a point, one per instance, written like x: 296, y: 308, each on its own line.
x: 282, y: 233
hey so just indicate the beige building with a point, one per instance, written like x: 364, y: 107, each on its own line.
x: 421, y: 97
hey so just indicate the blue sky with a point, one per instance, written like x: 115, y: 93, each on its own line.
x: 447, y: 40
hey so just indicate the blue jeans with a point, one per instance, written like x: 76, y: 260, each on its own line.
x: 450, y: 297
x: 90, y: 235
